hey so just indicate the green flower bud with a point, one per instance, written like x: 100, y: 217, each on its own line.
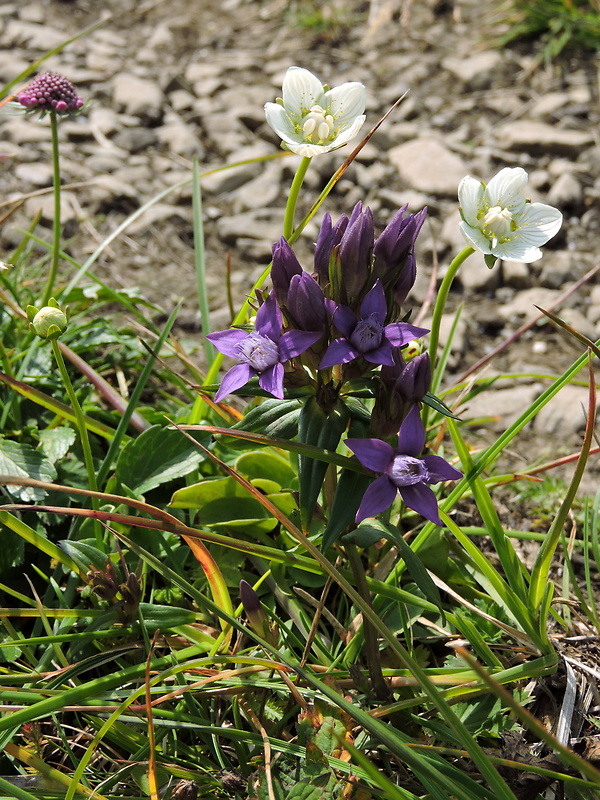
x: 50, y: 321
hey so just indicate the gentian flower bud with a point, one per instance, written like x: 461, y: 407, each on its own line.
x: 415, y: 379
x: 285, y: 266
x: 329, y: 237
x: 355, y: 254
x: 259, y: 622
x: 306, y: 303
x: 394, y: 260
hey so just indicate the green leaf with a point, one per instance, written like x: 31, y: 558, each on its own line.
x: 267, y: 465
x: 322, y: 429
x: 85, y: 555
x: 158, y: 455
x: 23, y: 461
x: 348, y: 495
x: 56, y: 442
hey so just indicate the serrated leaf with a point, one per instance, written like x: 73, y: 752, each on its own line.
x: 158, y: 455
x: 23, y: 461
x: 56, y: 442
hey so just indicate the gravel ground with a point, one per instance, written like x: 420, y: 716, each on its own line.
x: 168, y: 81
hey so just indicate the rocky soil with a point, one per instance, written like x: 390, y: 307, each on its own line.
x: 175, y: 79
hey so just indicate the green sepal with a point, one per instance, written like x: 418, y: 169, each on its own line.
x: 322, y: 429
x: 258, y: 419
x: 490, y: 260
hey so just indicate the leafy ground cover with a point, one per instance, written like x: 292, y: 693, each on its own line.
x: 220, y: 599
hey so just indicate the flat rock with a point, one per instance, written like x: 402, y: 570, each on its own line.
x: 138, y: 96
x: 523, y: 304
x: 37, y: 174
x: 503, y: 406
x: 564, y: 414
x: 477, y: 71
x: 558, y: 267
x: 266, y: 225
x: 428, y: 166
x: 540, y: 138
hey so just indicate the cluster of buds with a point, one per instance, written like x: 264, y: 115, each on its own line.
x: 51, y: 92
x: 341, y: 322
x: 108, y: 586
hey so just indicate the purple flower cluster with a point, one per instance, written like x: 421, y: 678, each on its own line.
x: 344, y: 315
x: 51, y: 92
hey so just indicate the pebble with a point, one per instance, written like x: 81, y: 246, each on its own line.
x: 138, y: 96
x: 542, y: 139
x: 426, y: 165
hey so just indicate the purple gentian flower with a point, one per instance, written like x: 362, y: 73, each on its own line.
x: 262, y: 352
x: 368, y: 336
x: 402, y: 471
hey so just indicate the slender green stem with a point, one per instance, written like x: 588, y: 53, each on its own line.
x: 371, y: 641
x: 199, y: 257
x: 56, y: 226
x: 83, y: 433
x: 288, y: 220
x: 440, y: 303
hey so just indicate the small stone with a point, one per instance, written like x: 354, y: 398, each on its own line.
x: 503, y: 406
x: 565, y: 414
x: 478, y: 71
x: 427, y: 166
x: 524, y: 304
x: 136, y: 139
x: 516, y: 275
x: 566, y: 192
x: 38, y: 174
x: 539, y: 138
x: 263, y: 224
x: 227, y: 180
x: 549, y: 104
x: 558, y: 267
x: 260, y: 192
x: 138, y: 96
x: 475, y: 276
x: 179, y: 137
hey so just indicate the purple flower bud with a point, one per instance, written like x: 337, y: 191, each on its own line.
x: 394, y: 260
x: 51, y: 92
x: 257, y: 617
x: 329, y: 237
x: 415, y: 379
x: 355, y: 254
x: 306, y: 303
x: 285, y: 266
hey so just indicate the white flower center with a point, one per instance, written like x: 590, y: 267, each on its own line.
x: 317, y: 126
x: 407, y: 470
x: 259, y: 352
x: 498, y: 224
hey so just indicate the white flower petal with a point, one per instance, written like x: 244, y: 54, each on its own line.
x: 349, y: 133
x: 279, y: 120
x: 309, y: 150
x: 470, y: 194
x: 517, y: 250
x: 345, y: 102
x: 538, y: 223
x: 301, y: 90
x: 475, y: 238
x: 506, y: 189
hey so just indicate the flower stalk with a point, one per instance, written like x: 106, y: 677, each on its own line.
x: 290, y: 208
x: 56, y: 223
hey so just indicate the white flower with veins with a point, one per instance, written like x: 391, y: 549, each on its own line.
x: 312, y: 119
x: 498, y: 219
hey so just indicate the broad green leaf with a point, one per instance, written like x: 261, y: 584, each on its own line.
x: 158, y: 455
x: 265, y: 464
x: 23, y: 461
x: 56, y: 442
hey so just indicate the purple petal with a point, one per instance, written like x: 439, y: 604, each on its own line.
x: 271, y: 380
x: 379, y: 496
x: 439, y: 470
x: 411, y: 438
x: 232, y: 380
x: 340, y: 351
x: 374, y: 303
x: 227, y: 341
x: 380, y: 355
x: 399, y: 333
x: 344, y: 320
x: 421, y: 499
x: 268, y: 319
x: 306, y: 303
x: 374, y: 454
x: 293, y: 343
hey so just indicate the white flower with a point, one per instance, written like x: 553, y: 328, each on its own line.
x: 312, y: 119
x: 498, y: 220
